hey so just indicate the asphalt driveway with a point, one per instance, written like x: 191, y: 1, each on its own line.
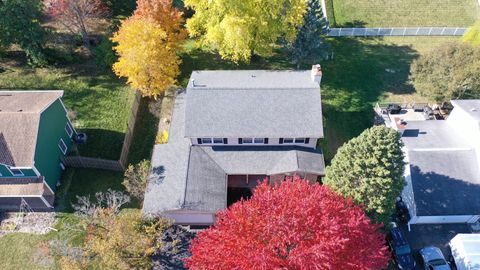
x: 432, y: 235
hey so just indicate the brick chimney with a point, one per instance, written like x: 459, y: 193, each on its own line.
x: 316, y: 73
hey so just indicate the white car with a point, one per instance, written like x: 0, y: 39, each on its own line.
x: 433, y: 259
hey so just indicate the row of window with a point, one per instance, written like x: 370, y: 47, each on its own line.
x: 61, y: 143
x: 253, y: 141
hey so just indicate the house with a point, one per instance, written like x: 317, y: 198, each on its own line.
x: 443, y: 166
x: 35, y: 133
x: 229, y: 130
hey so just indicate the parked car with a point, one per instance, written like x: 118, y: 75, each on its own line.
x: 401, y: 250
x: 433, y: 259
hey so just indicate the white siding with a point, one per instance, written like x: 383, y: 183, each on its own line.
x: 271, y: 141
x: 466, y: 126
x: 442, y: 219
x: 191, y: 217
x: 407, y: 193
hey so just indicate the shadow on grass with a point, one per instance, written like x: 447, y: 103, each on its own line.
x: 360, y: 74
x: 145, y: 131
x: 102, y: 143
x: 87, y: 182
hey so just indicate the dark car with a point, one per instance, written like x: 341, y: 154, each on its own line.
x: 401, y: 251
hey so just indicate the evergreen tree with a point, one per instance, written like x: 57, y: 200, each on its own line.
x: 369, y: 169
x: 309, y: 35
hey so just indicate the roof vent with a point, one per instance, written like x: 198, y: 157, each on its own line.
x: 197, y: 85
x: 20, y: 110
x: 473, y: 109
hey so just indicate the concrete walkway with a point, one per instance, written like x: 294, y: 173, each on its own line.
x: 397, y: 31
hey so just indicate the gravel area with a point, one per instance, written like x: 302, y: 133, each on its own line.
x: 37, y: 223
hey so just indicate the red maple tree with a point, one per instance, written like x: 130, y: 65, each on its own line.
x: 74, y: 15
x: 291, y: 225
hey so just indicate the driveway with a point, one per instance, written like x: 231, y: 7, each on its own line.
x: 432, y: 235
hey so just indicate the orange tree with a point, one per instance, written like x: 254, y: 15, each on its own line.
x: 292, y: 225
x: 147, y: 45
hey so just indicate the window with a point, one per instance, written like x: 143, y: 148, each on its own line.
x: 299, y: 140
x: 218, y: 140
x: 62, y: 146
x: 69, y: 129
x: 213, y: 141
x: 258, y: 140
x: 295, y: 140
x: 253, y: 140
x: 207, y: 140
x: 16, y: 172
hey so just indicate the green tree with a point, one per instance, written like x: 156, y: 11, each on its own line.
x: 472, y: 35
x: 19, y: 24
x: 369, y: 169
x: 451, y: 71
x: 238, y: 29
x: 136, y: 177
x: 309, y: 36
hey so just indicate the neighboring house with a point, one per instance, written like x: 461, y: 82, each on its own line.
x: 35, y: 133
x: 443, y: 170
x: 229, y: 130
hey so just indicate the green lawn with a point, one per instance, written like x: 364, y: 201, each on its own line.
x: 364, y: 71
x: 20, y: 251
x: 402, y: 13
x: 100, y: 102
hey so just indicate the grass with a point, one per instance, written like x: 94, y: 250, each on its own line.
x: 364, y: 71
x: 402, y: 13
x: 100, y: 102
x: 15, y: 256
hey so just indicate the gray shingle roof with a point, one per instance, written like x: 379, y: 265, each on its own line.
x: 253, y: 103
x: 208, y: 167
x: 265, y: 159
x: 19, y: 120
x: 194, y: 177
x: 168, y: 180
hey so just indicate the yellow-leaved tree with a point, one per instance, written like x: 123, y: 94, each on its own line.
x: 147, y: 45
x: 237, y: 29
x: 472, y: 35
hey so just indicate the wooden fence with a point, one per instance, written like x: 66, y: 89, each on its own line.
x: 106, y: 164
x: 93, y: 163
x: 127, y: 141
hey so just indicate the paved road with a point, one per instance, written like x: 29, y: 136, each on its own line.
x: 397, y: 31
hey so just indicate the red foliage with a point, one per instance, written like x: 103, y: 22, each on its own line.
x: 73, y: 14
x: 292, y: 225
